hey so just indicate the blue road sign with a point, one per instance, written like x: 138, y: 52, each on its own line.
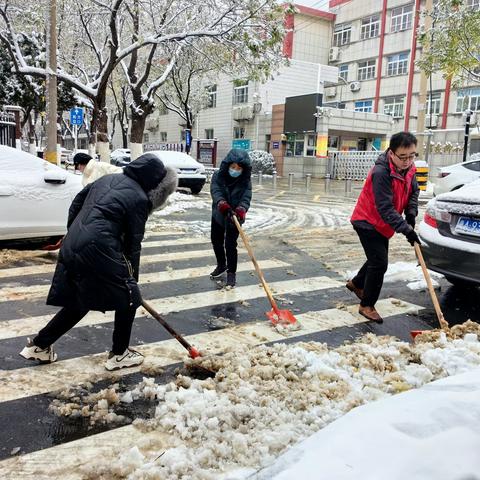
x: 188, y: 138
x: 76, y: 116
x: 242, y: 144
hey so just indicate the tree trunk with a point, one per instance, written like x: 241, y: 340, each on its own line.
x: 136, y: 134
x: 32, y: 146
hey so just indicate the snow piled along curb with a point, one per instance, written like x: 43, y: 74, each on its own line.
x: 265, y: 399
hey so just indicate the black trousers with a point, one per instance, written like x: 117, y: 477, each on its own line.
x: 68, y: 317
x: 370, y: 276
x: 224, y: 240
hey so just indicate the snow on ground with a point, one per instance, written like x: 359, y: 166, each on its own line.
x: 405, y: 272
x: 266, y: 399
x: 433, y: 433
x: 180, y: 202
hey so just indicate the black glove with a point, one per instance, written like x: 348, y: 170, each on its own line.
x: 410, y: 219
x: 412, y: 237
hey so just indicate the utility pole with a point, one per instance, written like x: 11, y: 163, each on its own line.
x: 466, y: 137
x: 51, y: 85
x: 422, y: 93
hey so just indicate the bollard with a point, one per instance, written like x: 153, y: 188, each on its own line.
x: 290, y: 180
x: 348, y: 185
x: 308, y: 181
x: 327, y: 183
x: 274, y: 179
x: 260, y: 177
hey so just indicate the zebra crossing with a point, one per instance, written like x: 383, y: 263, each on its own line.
x: 175, y: 280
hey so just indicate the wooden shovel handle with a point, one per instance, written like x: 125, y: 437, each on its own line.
x: 436, y: 305
x: 255, y: 263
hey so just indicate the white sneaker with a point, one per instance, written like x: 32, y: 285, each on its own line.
x: 129, y: 358
x: 43, y: 355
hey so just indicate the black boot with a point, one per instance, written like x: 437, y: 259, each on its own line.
x: 231, y: 279
x: 218, y: 272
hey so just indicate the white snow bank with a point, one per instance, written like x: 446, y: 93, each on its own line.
x: 429, y: 433
x: 266, y: 399
x: 180, y: 202
x: 405, y: 272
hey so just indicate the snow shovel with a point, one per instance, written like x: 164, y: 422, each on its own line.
x: 441, y: 320
x: 192, y: 351
x: 275, y: 315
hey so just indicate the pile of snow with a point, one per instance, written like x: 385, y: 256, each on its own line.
x: 406, y: 272
x: 266, y: 399
x: 262, y: 161
x: 179, y: 203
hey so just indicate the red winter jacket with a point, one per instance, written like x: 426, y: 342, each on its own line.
x: 385, y: 196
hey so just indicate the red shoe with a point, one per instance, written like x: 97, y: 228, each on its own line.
x: 357, y: 291
x: 370, y: 313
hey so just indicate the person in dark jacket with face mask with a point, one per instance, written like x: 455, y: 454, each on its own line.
x: 390, y: 190
x: 98, y: 262
x: 231, y: 191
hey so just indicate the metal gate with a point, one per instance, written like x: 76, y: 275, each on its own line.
x: 7, y: 129
x: 352, y: 165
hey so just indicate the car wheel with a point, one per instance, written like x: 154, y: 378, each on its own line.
x: 458, y: 282
x: 196, y: 190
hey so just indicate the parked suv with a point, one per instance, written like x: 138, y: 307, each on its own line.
x: 450, y: 233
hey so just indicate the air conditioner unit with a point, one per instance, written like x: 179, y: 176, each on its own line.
x: 355, y: 86
x: 331, y: 91
x: 244, y: 112
x: 334, y: 54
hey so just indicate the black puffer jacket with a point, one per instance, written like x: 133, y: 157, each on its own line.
x: 106, y: 224
x: 236, y: 191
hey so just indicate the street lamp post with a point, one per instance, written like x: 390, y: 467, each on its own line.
x: 468, y: 116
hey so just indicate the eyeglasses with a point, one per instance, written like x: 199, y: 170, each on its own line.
x: 413, y: 156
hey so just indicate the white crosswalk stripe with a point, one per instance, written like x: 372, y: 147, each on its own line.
x: 46, y: 378
x: 29, y: 326
x: 38, y: 291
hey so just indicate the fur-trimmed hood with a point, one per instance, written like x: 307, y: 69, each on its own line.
x: 159, y: 195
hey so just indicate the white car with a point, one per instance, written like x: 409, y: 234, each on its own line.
x: 120, y: 152
x: 450, y: 234
x: 191, y: 174
x: 455, y: 176
x: 35, y: 196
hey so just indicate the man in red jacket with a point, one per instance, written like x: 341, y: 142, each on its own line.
x: 390, y: 190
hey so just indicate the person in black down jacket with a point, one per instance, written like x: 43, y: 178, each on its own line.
x: 98, y: 262
x: 231, y: 190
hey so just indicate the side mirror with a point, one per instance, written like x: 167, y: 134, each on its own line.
x: 55, y: 177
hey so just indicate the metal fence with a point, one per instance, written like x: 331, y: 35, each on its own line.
x: 7, y: 129
x: 351, y: 165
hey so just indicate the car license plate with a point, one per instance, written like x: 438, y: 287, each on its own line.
x: 468, y: 226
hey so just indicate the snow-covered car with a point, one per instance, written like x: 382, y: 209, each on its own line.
x: 450, y: 233
x: 456, y: 176
x: 120, y: 152
x: 191, y: 174
x: 35, y: 196
x: 121, y: 160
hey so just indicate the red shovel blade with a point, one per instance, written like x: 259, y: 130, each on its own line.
x: 283, y: 317
x: 193, y: 352
x: 414, y: 333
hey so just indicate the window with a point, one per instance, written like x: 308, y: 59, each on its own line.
x: 311, y: 145
x: 238, y: 132
x: 209, y: 134
x: 342, y: 34
x: 397, y: 64
x: 343, y: 72
x: 212, y: 96
x: 145, y: 137
x: 433, y: 103
x: 299, y: 145
x: 402, y: 18
x: 183, y: 135
x: 370, y: 27
x: 468, y: 98
x: 366, y: 70
x: 163, y: 136
x: 474, y: 4
x: 364, y: 106
x: 394, y: 106
x: 339, y: 105
x: 240, y: 91
x: 475, y: 166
